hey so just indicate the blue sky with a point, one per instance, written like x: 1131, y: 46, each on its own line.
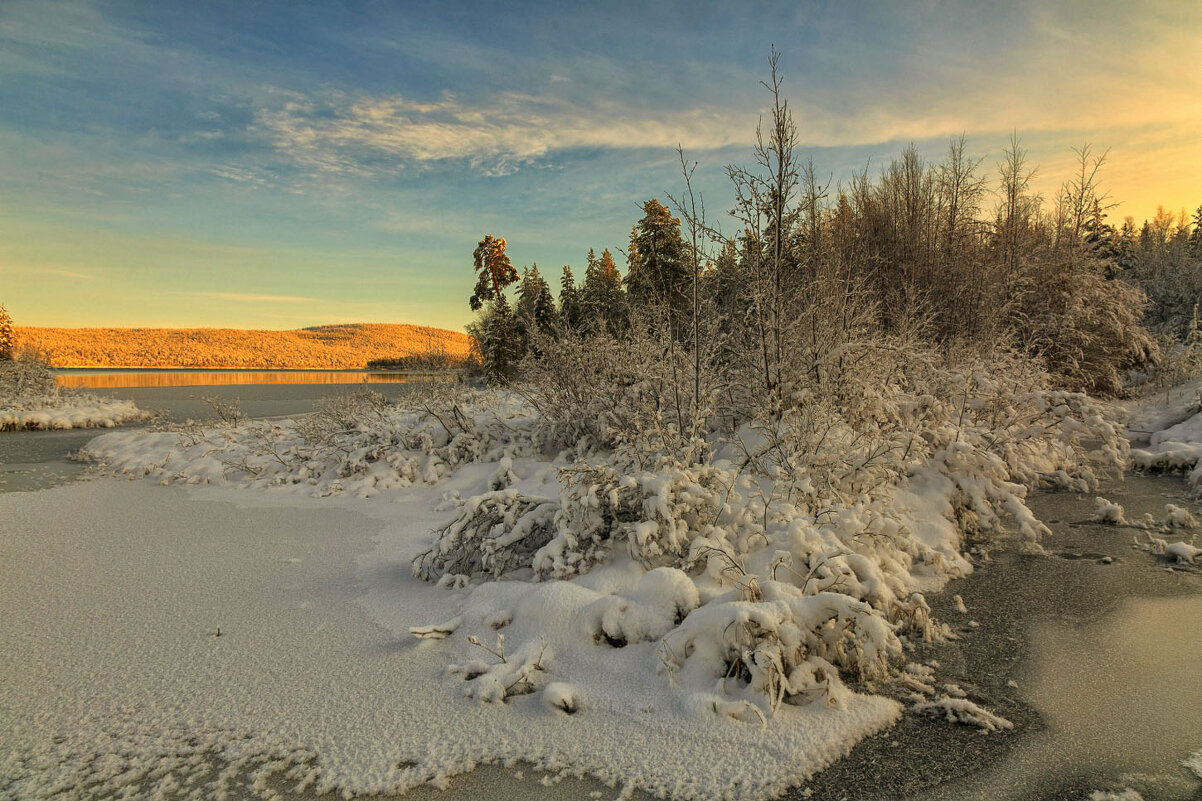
x: 278, y: 164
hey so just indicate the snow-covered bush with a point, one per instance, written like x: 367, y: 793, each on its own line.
x: 1085, y: 326
x: 493, y: 534
x: 781, y: 644
x: 30, y: 398
x: 26, y: 379
x: 601, y: 392
x: 856, y: 502
x: 360, y: 443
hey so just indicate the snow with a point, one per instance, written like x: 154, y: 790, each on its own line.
x: 1157, y: 410
x: 1108, y: 512
x: 111, y: 671
x: 621, y: 612
x: 1194, y: 763
x: 69, y: 411
x: 961, y: 710
x: 1126, y: 794
x: 1181, y: 551
x: 1178, y: 447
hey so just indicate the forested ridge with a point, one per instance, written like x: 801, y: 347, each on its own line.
x: 337, y: 347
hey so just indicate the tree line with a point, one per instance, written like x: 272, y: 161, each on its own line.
x: 915, y: 252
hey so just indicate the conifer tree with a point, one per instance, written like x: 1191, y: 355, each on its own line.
x: 546, y: 317
x: 7, y: 337
x: 570, y: 311
x: 496, y: 334
x: 1195, y: 237
x: 495, y: 270
x: 603, y: 299
x: 536, y: 308
x: 499, y: 350
x: 659, y: 270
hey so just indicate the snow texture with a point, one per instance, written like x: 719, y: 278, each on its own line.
x: 1108, y: 512
x: 112, y: 679
x: 961, y: 710
x: 1177, y: 448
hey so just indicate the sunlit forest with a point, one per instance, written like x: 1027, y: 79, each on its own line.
x: 336, y: 347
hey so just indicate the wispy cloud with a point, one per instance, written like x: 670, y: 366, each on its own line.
x: 245, y: 297
x: 342, y: 134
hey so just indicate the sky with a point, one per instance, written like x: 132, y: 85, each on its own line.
x: 271, y: 164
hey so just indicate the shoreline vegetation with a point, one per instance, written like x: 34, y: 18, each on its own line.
x: 326, y: 347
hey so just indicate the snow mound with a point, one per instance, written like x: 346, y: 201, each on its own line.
x: 1177, y: 448
x: 1108, y: 513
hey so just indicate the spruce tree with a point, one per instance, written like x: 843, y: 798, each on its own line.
x: 569, y: 301
x: 536, y: 308
x: 659, y: 270
x: 603, y: 298
x: 546, y: 317
x: 1195, y: 237
x: 7, y: 337
x: 498, y: 345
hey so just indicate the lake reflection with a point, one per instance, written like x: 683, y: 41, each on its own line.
x: 112, y: 379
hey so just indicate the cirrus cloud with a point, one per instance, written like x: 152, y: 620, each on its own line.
x: 342, y: 135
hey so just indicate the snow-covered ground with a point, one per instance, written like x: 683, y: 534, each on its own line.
x: 113, y: 672
x: 650, y: 625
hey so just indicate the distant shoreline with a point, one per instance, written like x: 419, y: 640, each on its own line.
x: 324, y: 348
x: 107, y: 369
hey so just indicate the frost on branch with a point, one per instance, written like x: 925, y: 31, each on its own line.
x: 655, y: 515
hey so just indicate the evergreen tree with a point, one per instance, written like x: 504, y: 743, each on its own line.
x: 496, y: 335
x: 546, y: 317
x: 7, y: 337
x: 570, y: 306
x: 659, y: 269
x: 726, y: 284
x: 495, y: 270
x: 602, y: 297
x: 495, y: 341
x: 1146, y: 238
x: 535, y: 309
x: 1101, y: 240
x: 1126, y: 245
x: 1195, y: 237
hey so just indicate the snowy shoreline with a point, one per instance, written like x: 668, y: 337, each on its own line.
x: 77, y: 411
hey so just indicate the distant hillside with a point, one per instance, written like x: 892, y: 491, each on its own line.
x: 335, y: 347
